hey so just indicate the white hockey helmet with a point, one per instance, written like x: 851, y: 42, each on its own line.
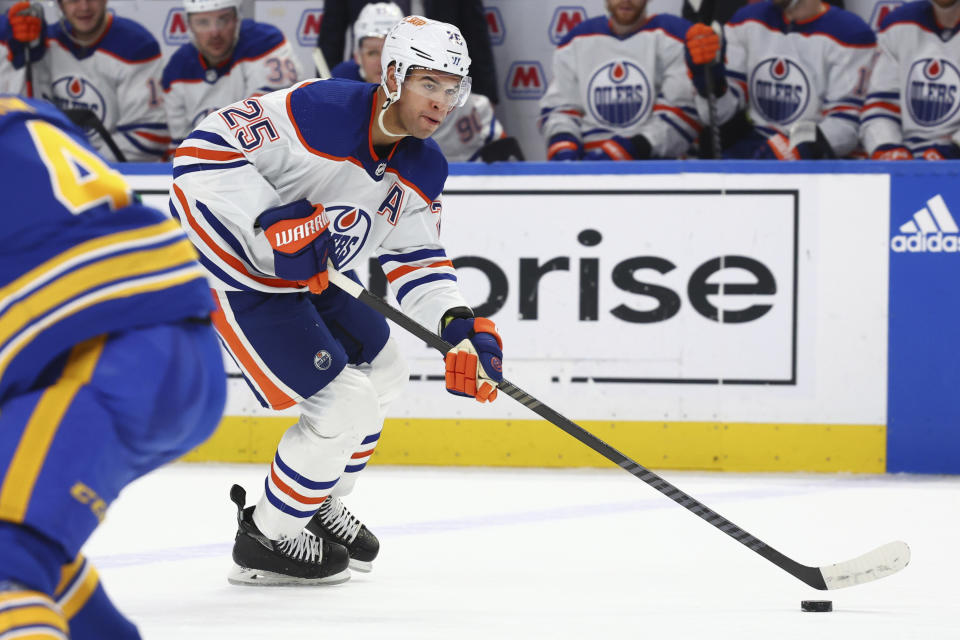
x: 199, y: 6
x: 375, y: 20
x: 418, y: 42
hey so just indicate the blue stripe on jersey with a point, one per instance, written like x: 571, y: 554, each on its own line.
x: 221, y: 231
x: 299, y: 479
x: 206, y: 166
x: 736, y: 75
x: 354, y: 468
x: 221, y: 275
x: 371, y: 439
x: 881, y: 115
x: 679, y: 129
x: 433, y: 277
x: 283, y: 506
x: 151, y: 150
x: 413, y: 256
x: 143, y: 125
x: 884, y: 94
x: 845, y: 116
x: 212, y: 138
x: 597, y: 131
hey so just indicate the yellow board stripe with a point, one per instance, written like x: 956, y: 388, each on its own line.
x: 86, y: 250
x: 191, y: 271
x: 718, y: 446
x: 72, y: 601
x: 32, y: 449
x: 78, y: 282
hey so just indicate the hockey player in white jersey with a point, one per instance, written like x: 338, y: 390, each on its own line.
x: 795, y: 69
x: 620, y: 89
x: 11, y: 78
x: 268, y: 189
x: 228, y: 59
x: 107, y: 65
x: 471, y: 132
x: 912, y: 108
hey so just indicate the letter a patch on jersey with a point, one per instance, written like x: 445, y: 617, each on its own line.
x: 392, y: 204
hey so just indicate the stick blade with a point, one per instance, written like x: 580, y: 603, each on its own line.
x: 879, y: 563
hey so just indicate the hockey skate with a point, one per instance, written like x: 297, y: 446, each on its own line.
x: 301, y: 560
x: 334, y: 522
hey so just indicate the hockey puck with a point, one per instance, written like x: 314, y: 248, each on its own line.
x: 816, y: 605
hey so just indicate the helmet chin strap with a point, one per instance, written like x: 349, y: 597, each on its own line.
x: 391, y: 98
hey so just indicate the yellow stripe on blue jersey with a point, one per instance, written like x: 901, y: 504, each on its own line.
x: 30, y: 614
x: 31, y: 452
x: 41, y: 291
x: 78, y: 581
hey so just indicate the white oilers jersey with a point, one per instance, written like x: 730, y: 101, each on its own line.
x: 914, y: 95
x: 468, y: 129
x: 118, y: 79
x: 313, y: 141
x: 262, y: 61
x: 604, y: 85
x: 786, y: 73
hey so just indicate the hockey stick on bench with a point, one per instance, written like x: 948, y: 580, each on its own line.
x: 876, y: 564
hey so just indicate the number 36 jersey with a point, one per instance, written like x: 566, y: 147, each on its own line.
x: 262, y: 61
x: 313, y: 142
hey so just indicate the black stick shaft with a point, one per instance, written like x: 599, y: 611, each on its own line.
x: 810, y: 575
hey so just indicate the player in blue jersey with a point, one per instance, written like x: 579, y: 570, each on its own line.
x: 108, y: 366
x: 787, y: 79
x: 269, y: 189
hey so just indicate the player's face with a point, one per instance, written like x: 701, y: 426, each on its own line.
x: 214, y: 33
x: 626, y: 12
x: 944, y: 4
x: 426, y: 99
x: 368, y: 57
x: 86, y: 17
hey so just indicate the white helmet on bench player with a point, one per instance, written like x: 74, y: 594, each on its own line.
x: 375, y: 21
x: 418, y: 42
x: 199, y: 6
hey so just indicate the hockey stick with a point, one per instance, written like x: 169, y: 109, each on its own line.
x: 876, y: 564
x: 713, y: 125
x: 88, y: 120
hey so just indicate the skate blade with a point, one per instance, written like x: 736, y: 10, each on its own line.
x: 361, y: 566
x: 257, y: 578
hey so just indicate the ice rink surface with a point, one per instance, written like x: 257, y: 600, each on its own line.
x: 484, y: 553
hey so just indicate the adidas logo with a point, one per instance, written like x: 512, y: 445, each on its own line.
x: 931, y: 229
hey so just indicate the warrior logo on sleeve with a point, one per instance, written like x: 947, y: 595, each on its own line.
x: 619, y: 94
x: 931, y: 91
x: 779, y: 90
x: 76, y: 92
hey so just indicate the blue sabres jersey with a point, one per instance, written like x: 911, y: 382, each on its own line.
x: 78, y: 257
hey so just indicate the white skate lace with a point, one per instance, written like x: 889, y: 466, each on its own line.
x: 305, y: 547
x: 338, y: 520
